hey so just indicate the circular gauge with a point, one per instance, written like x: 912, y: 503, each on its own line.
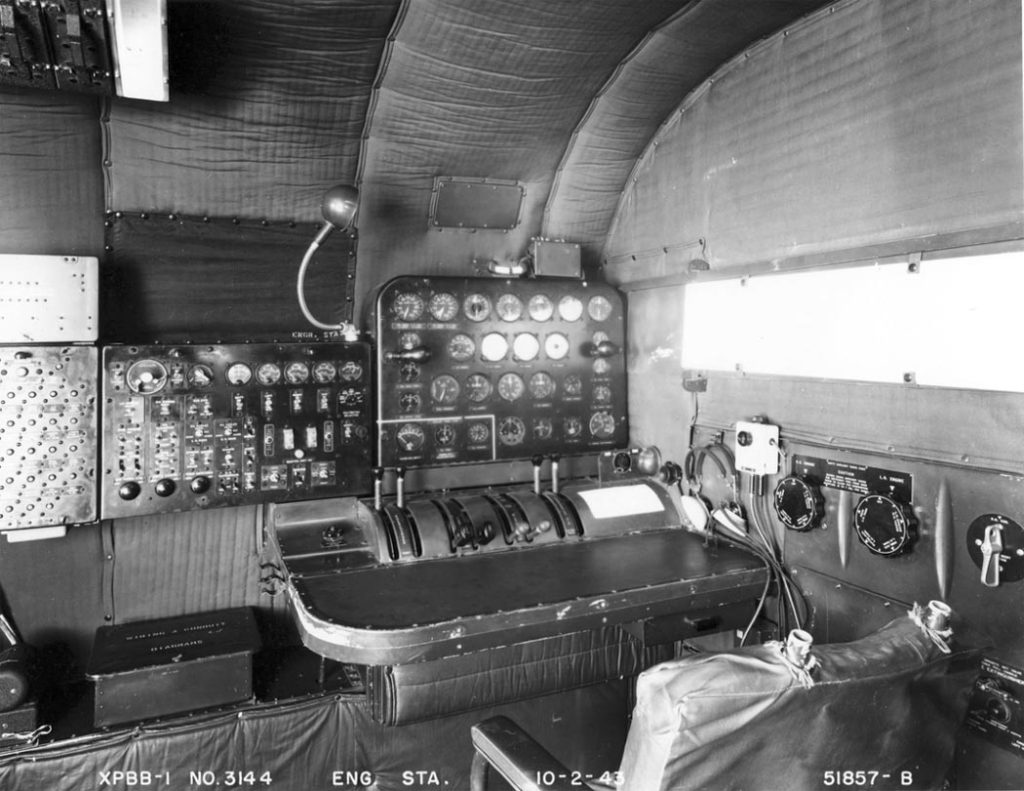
x: 540, y: 307
x: 407, y: 306
x: 461, y: 347
x: 268, y: 374
x: 602, y: 425
x: 200, y: 376
x: 542, y: 428
x: 409, y: 340
x: 570, y: 308
x: 601, y: 366
x: 351, y: 371
x: 238, y: 374
x: 798, y: 504
x: 573, y: 427
x: 443, y: 306
x: 476, y: 307
x: 572, y: 386
x: 542, y: 386
x: 599, y: 308
x: 444, y: 389
x: 599, y: 337
x: 509, y: 307
x: 351, y: 396
x: 478, y: 433
x: 511, y: 386
x: 493, y: 347
x: 525, y: 346
x: 410, y: 437
x: 296, y: 373
x: 146, y: 376
x: 556, y: 346
x: 410, y: 402
x: 444, y: 435
x: 884, y: 525
x: 409, y: 371
x: 325, y: 372
x: 478, y: 388
x: 511, y: 431
x: 602, y: 394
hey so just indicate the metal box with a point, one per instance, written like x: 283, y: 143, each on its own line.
x: 172, y: 665
x: 18, y: 727
x: 556, y: 259
x: 48, y: 299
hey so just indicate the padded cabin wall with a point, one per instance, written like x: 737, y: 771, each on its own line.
x: 869, y: 124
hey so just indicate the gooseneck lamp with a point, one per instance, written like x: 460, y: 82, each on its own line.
x: 338, y: 207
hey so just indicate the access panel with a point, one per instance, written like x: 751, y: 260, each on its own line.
x: 484, y: 369
x: 201, y: 426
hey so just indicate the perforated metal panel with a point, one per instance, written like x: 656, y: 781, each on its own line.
x: 47, y: 435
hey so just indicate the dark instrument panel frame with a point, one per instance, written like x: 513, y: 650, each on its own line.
x: 475, y: 370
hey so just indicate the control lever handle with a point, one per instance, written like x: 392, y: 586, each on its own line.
x: 537, y: 460
x: 378, y: 486
x: 554, y: 472
x: 991, y: 548
x: 604, y: 349
x: 417, y: 354
x: 400, y: 487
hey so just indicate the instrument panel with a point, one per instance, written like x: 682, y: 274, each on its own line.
x: 213, y: 425
x: 482, y: 369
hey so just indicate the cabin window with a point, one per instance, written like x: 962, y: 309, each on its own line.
x: 944, y: 321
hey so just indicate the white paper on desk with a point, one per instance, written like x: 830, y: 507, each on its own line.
x: 622, y: 501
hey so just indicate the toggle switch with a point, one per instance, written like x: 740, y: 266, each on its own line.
x: 991, y: 549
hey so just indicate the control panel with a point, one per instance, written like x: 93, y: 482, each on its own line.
x: 478, y: 369
x: 48, y: 448
x: 214, y: 425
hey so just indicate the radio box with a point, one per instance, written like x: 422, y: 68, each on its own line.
x: 172, y: 665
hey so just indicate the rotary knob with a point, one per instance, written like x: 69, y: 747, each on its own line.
x: 164, y: 487
x: 798, y: 503
x: 129, y: 490
x: 885, y: 526
x: 199, y: 484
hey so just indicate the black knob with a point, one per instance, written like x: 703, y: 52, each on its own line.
x: 418, y: 354
x: 129, y: 490
x: 798, y: 503
x: 484, y: 533
x: 164, y: 487
x: 744, y: 438
x: 604, y: 349
x: 199, y: 484
x: 884, y: 525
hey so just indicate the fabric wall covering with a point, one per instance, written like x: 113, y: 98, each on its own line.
x: 868, y: 122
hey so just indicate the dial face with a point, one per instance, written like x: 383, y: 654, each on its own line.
x: 599, y: 337
x: 444, y: 389
x: 884, y: 526
x: 409, y: 340
x: 493, y: 347
x: 268, y: 374
x: 573, y: 427
x: 200, y: 376
x: 525, y: 346
x: 325, y: 372
x: 461, y: 348
x: 511, y: 386
x: 478, y: 388
x: 409, y: 371
x: 511, y: 431
x: 540, y: 307
x: 542, y: 386
x: 410, y: 437
x: 443, y: 306
x: 407, y: 306
x: 351, y: 396
x: 444, y: 435
x: 238, y: 374
x: 478, y: 433
x: 599, y: 308
x: 410, y: 402
x: 296, y: 373
x: 570, y: 308
x: 542, y: 428
x: 351, y: 371
x: 572, y: 386
x: 509, y: 307
x: 146, y: 376
x: 601, y: 366
x: 602, y: 394
x: 476, y: 307
x: 602, y: 425
x: 556, y: 346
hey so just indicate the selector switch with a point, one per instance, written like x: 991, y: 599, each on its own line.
x: 798, y: 503
x: 885, y: 526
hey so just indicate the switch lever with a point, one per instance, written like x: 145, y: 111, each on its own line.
x: 378, y: 485
x: 554, y: 472
x: 537, y: 460
x: 400, y: 487
x: 991, y: 548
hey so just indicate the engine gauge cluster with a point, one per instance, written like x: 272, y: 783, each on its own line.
x: 482, y: 369
x: 205, y: 426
